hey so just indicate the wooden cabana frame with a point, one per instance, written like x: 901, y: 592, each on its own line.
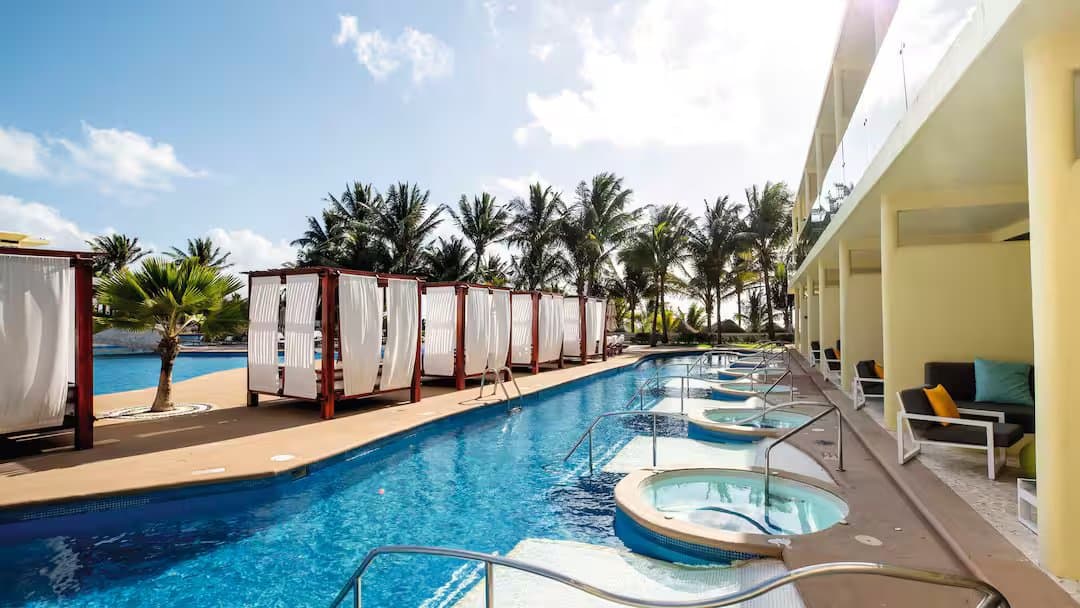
x: 82, y: 417
x: 584, y: 354
x: 534, y: 362
x: 329, y: 279
x: 461, y: 292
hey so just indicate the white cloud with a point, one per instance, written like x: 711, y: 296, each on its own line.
x: 682, y: 73
x: 428, y: 56
x: 252, y: 251
x: 493, y: 9
x: 542, y: 51
x: 21, y: 153
x: 506, y: 188
x: 127, y: 159
x: 38, y: 220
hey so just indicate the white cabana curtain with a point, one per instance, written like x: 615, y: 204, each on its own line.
x: 477, y: 321
x: 594, y: 325
x: 551, y: 327
x: 360, y: 316
x: 264, y: 308
x: 522, y: 309
x: 301, y: 300
x: 402, y: 327
x: 37, y: 338
x: 571, y: 328
x: 440, y: 330
x: 499, y: 329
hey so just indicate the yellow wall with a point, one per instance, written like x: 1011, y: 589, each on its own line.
x: 953, y: 303
x: 860, y: 320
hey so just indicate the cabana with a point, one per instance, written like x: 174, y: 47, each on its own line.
x: 466, y: 330
x: 536, y: 336
x: 584, y: 328
x: 47, y: 337
x: 355, y: 363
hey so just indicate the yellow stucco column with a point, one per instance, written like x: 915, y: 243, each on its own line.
x: 811, y: 311
x: 889, y: 291
x: 847, y: 332
x: 860, y: 314
x: 828, y: 314
x: 1050, y: 67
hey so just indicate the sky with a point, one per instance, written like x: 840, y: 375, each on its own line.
x: 233, y: 120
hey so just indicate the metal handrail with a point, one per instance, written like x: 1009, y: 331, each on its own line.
x: 779, y: 406
x: 839, y: 443
x: 498, y: 383
x: 588, y: 432
x: 991, y: 597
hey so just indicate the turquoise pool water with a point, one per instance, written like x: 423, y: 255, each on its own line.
x: 126, y: 372
x: 772, y: 420
x: 484, y: 480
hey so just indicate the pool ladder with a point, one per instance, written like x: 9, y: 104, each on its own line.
x: 498, y: 383
x: 990, y: 596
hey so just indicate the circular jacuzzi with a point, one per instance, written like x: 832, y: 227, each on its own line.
x: 727, y: 424
x: 705, y: 515
x: 738, y: 390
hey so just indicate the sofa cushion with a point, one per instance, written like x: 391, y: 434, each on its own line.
x: 942, y: 403
x: 879, y: 370
x: 1023, y: 415
x: 957, y: 378
x: 1003, y: 382
x: 833, y: 359
x: 914, y: 401
x: 1005, y: 434
x: 865, y: 369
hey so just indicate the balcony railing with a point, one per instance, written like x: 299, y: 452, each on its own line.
x: 912, y: 49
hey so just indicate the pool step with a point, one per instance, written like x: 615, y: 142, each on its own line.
x: 623, y: 572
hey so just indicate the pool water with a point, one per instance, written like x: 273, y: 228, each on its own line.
x: 772, y: 420
x: 126, y: 372
x: 735, y: 501
x: 484, y: 480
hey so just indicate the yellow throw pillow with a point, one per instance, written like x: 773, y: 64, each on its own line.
x: 879, y: 370
x: 942, y: 403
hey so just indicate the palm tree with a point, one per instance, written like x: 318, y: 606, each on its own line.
x: 716, y: 244
x: 405, y: 227
x: 494, y: 271
x: 118, y: 252
x: 359, y: 246
x: 449, y: 260
x: 534, y: 228
x: 768, y: 233
x: 203, y: 251
x: 169, y: 297
x: 482, y: 221
x: 321, y: 244
x: 630, y: 289
x: 660, y: 247
x: 606, y: 222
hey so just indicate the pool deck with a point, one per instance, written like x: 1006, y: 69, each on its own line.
x: 899, y: 515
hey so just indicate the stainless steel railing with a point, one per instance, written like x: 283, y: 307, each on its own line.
x: 990, y: 596
x: 788, y: 435
x: 589, y: 431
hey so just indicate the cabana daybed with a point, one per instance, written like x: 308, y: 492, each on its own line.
x: 355, y: 362
x: 47, y: 337
x: 466, y: 330
x: 536, y: 329
x: 584, y: 328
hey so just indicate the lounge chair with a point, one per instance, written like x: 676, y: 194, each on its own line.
x: 975, y: 429
x: 815, y: 352
x: 832, y: 366
x: 866, y: 384
x: 959, y: 380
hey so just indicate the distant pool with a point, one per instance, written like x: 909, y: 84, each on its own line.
x: 115, y: 373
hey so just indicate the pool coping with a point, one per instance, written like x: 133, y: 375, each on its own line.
x: 15, y: 508
x: 629, y: 499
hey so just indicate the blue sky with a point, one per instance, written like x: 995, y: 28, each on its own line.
x: 175, y: 120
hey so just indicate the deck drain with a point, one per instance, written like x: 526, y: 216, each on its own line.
x: 780, y: 542
x: 868, y: 540
x: 208, y: 471
x: 282, y: 457
x: 818, y: 430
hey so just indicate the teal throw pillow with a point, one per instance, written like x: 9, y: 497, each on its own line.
x: 1003, y: 382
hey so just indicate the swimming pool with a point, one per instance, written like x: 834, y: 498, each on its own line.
x: 126, y: 372
x: 484, y: 480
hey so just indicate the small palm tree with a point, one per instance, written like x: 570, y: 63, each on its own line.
x: 660, y: 246
x: 169, y: 298
x: 494, y: 271
x: 482, y: 221
x: 118, y: 252
x: 203, y: 251
x: 534, y: 230
x: 768, y: 234
x: 606, y: 222
x: 358, y: 246
x: 321, y: 244
x: 405, y: 227
x: 449, y: 260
